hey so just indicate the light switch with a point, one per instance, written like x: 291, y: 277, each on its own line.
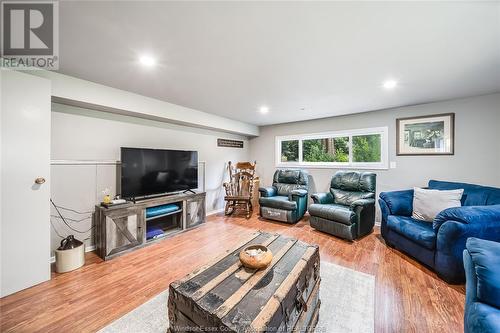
x: 393, y: 165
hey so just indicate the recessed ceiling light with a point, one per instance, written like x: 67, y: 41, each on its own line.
x: 264, y: 109
x: 390, y: 84
x: 147, y: 60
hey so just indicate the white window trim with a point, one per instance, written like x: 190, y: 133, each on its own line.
x: 384, y: 150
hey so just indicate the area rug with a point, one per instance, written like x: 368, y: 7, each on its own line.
x: 347, y: 305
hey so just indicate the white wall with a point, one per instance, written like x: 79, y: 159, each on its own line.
x: 82, y: 134
x: 477, y: 150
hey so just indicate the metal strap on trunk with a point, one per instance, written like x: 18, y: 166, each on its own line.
x: 265, y: 315
x: 251, y: 282
x: 301, y: 322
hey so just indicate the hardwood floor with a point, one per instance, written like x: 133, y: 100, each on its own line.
x: 408, y: 297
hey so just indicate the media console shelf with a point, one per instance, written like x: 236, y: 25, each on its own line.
x: 127, y: 227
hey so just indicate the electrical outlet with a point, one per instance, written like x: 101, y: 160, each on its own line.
x: 393, y: 165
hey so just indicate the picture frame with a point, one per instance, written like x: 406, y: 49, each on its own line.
x: 426, y: 135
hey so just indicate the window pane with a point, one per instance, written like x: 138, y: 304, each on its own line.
x: 290, y: 151
x: 326, y: 150
x: 366, y: 148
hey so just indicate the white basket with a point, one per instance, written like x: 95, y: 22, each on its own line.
x: 68, y: 260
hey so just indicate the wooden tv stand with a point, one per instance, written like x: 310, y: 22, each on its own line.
x: 122, y: 228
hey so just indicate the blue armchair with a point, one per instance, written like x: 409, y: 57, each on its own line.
x: 439, y: 245
x: 482, y: 298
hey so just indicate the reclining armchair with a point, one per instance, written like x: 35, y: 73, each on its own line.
x: 286, y: 199
x: 439, y: 245
x: 348, y: 210
x: 482, y: 297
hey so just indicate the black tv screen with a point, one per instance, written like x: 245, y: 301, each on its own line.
x: 156, y: 171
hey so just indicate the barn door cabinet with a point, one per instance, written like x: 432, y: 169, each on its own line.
x: 118, y: 229
x: 195, y: 210
x: 124, y: 228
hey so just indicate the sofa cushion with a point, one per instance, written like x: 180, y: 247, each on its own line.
x: 418, y: 231
x: 429, y: 203
x: 286, y: 189
x: 474, y: 195
x: 346, y: 198
x: 486, y: 259
x: 287, y: 176
x: 354, y: 181
x: 333, y: 212
x: 280, y: 202
x: 286, y: 181
x: 494, y: 198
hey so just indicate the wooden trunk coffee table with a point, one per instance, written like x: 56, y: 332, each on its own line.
x: 223, y: 296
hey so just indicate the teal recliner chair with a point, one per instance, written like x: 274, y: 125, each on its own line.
x: 286, y: 199
x: 348, y: 209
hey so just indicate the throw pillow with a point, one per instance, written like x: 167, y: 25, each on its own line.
x: 428, y: 203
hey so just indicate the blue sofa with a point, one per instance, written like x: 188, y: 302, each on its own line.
x: 482, y: 298
x: 439, y: 245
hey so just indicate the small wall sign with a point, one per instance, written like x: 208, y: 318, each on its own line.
x: 229, y: 143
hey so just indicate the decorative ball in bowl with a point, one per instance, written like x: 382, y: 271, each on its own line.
x: 256, y: 256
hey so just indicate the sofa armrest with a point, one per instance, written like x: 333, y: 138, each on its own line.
x: 362, y: 203
x: 450, y: 244
x: 485, y: 259
x: 299, y: 193
x: 470, y: 281
x: 468, y: 215
x: 398, y: 202
x: 268, y: 191
x: 322, y: 198
x: 365, y: 215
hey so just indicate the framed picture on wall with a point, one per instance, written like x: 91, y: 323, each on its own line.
x: 426, y: 135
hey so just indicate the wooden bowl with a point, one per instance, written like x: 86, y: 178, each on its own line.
x: 256, y: 256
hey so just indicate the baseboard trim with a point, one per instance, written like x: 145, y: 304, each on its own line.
x: 213, y: 212
x: 87, y: 249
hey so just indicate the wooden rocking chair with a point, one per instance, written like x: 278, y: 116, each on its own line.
x: 239, y: 189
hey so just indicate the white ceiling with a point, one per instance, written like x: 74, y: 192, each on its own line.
x: 230, y: 58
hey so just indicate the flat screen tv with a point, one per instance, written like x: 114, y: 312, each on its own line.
x: 146, y: 172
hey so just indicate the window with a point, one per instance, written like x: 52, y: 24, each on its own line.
x: 290, y: 151
x: 361, y: 148
x: 366, y: 148
x: 326, y: 150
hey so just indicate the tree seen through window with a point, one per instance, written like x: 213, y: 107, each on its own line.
x: 326, y: 150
